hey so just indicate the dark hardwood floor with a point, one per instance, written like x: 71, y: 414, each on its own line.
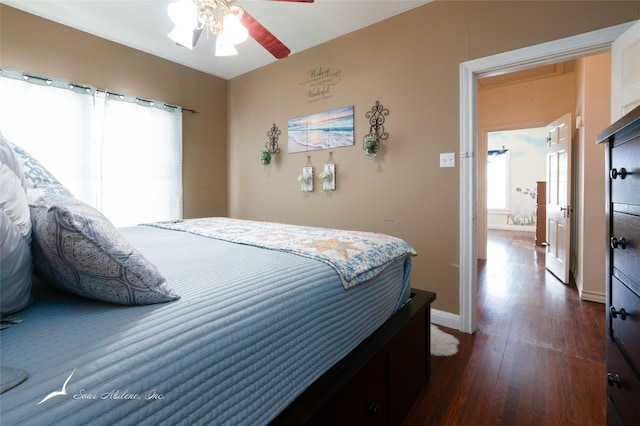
x: 538, y: 357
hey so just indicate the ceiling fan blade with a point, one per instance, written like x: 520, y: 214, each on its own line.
x: 264, y: 37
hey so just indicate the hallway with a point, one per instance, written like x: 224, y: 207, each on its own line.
x: 538, y: 357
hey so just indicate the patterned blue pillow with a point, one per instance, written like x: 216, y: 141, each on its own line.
x: 77, y: 250
x: 39, y: 180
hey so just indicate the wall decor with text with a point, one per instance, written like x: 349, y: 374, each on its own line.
x: 320, y: 83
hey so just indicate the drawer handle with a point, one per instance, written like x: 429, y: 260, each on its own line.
x: 614, y: 173
x: 614, y: 380
x: 373, y: 408
x: 621, y: 312
x: 619, y: 242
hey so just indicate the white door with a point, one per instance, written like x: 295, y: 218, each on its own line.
x: 625, y: 72
x: 559, y: 197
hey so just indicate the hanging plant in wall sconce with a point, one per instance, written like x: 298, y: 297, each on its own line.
x: 271, y: 147
x: 371, y: 141
x: 306, y: 178
x: 265, y: 157
x: 328, y: 175
x: 371, y: 146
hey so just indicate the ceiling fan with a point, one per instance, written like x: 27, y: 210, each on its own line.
x: 230, y: 24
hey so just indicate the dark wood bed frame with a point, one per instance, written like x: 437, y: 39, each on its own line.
x: 377, y: 382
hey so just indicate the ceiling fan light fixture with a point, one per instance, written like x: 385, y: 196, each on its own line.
x: 224, y: 47
x: 230, y: 24
x: 233, y: 29
x: 183, y: 36
x: 183, y: 13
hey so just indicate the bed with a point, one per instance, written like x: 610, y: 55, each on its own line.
x: 244, y: 332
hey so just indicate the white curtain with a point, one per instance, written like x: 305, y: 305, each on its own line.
x: 141, y: 154
x: 118, y: 155
x: 55, y: 124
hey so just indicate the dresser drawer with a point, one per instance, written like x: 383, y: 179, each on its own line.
x: 625, y: 326
x: 625, y: 242
x: 625, y: 173
x: 623, y: 387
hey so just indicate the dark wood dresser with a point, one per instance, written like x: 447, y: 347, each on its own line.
x: 623, y: 269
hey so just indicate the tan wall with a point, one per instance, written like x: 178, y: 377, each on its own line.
x: 44, y: 47
x: 532, y: 104
x: 409, y: 63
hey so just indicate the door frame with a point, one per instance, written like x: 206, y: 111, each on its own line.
x: 543, y: 54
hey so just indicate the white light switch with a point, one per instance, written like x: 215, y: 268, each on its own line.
x: 448, y: 159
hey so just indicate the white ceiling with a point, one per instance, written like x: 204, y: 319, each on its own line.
x: 144, y: 25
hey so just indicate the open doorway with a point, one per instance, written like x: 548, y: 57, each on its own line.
x: 507, y: 104
x: 508, y: 107
x: 515, y: 179
x: 566, y: 49
x: 515, y: 197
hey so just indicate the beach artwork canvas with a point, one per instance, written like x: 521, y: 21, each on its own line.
x: 323, y: 130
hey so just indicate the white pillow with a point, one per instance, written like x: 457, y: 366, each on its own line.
x: 13, y: 200
x: 15, y: 258
x: 15, y: 234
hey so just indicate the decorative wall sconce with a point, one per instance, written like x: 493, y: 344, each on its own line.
x: 328, y: 175
x: 271, y: 147
x: 306, y: 178
x: 371, y: 141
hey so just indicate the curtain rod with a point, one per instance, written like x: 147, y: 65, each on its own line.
x: 72, y: 85
x: 26, y: 77
x: 149, y: 101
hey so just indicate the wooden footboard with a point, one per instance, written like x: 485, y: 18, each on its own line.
x: 378, y: 381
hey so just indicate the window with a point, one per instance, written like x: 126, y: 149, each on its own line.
x: 120, y: 154
x: 497, y: 179
x: 516, y: 160
x: 140, y: 163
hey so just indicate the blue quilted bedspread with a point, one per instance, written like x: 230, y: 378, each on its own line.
x: 253, y: 328
x: 356, y: 256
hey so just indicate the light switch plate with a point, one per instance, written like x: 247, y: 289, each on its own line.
x: 448, y: 159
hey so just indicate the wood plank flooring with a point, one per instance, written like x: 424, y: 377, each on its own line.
x: 538, y: 357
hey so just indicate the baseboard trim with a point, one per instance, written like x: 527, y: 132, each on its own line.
x: 446, y: 319
x: 591, y: 296
x: 449, y: 320
x: 520, y: 228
